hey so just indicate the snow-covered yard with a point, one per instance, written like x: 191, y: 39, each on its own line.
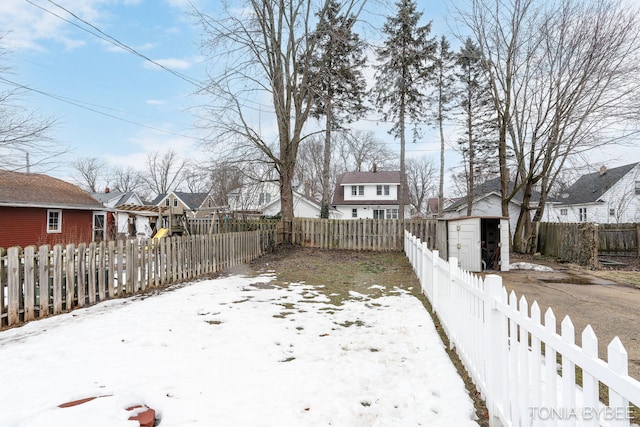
x: 235, y: 351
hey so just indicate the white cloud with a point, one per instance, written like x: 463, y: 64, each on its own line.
x: 29, y: 25
x: 155, y: 102
x: 172, y: 63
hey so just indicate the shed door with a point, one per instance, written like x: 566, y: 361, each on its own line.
x: 464, y: 243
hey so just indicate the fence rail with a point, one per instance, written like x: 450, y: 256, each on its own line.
x: 524, y: 369
x: 37, y: 282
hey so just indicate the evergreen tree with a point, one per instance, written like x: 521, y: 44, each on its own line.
x: 479, y: 144
x: 340, y: 86
x: 444, y: 95
x: 405, y: 65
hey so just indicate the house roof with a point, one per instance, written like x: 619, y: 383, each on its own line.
x: 20, y: 189
x: 351, y: 178
x: 590, y: 188
x: 192, y: 200
x: 491, y: 186
x: 380, y: 177
x: 113, y: 198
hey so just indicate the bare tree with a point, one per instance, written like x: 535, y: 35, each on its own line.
x: 24, y: 135
x: 259, y: 52
x: 224, y: 178
x: 421, y: 180
x: 91, y: 171
x: 196, y: 178
x: 127, y: 179
x: 361, y: 151
x: 311, y: 164
x: 164, y: 171
x: 563, y: 76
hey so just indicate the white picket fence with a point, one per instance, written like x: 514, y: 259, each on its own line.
x: 523, y: 368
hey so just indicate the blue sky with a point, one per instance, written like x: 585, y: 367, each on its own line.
x: 131, y: 106
x: 116, y: 87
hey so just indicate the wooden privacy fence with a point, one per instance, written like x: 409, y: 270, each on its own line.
x: 572, y: 242
x: 618, y: 239
x: 523, y: 368
x: 37, y: 282
x: 360, y: 234
x: 215, y: 225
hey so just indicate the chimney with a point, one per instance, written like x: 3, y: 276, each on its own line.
x: 375, y: 168
x: 603, y: 170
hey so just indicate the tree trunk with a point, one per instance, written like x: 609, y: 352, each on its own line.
x: 326, y: 164
x: 402, y: 188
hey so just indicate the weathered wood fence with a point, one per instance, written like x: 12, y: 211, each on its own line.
x: 571, y: 242
x: 216, y: 225
x: 619, y: 239
x: 524, y: 369
x: 37, y: 282
x: 361, y: 234
x: 583, y: 243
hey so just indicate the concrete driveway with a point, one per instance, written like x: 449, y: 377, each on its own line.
x: 612, y: 309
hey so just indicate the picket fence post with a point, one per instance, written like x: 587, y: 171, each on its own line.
x: 494, y: 358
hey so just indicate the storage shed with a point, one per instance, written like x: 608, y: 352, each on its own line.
x: 479, y: 243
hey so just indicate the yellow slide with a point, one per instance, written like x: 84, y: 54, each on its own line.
x: 163, y: 232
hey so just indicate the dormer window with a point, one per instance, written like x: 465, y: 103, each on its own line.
x: 637, y: 188
x: 357, y: 190
x: 382, y: 190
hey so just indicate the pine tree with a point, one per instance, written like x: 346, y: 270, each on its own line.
x: 340, y: 86
x: 444, y: 95
x: 479, y: 145
x: 405, y: 65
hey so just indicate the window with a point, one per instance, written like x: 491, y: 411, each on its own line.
x: 563, y: 211
x: 166, y: 202
x: 354, y: 213
x: 582, y: 215
x: 378, y: 214
x: 54, y: 221
x: 357, y: 190
x: 612, y: 212
x: 175, y: 203
x: 98, y: 227
x: 382, y: 190
x: 392, y: 213
x: 637, y: 187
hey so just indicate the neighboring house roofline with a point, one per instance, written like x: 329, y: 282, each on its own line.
x: 590, y: 188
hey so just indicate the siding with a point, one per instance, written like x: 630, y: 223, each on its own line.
x: 27, y: 226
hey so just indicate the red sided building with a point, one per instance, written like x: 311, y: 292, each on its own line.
x: 37, y: 209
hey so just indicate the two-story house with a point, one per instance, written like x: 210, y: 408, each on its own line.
x: 606, y: 196
x: 369, y: 195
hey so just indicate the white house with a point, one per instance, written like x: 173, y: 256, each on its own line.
x: 487, y: 202
x: 111, y: 199
x: 369, y: 195
x: 263, y: 198
x: 604, y: 197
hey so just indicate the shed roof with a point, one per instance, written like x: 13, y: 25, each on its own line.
x: 21, y: 189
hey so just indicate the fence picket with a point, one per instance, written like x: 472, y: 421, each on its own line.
x: 43, y: 280
x: 590, y: 392
x: 13, y: 286
x: 29, y: 283
x: 57, y: 279
x: 70, y: 276
x: 619, y: 363
x: 81, y: 260
x: 91, y: 279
